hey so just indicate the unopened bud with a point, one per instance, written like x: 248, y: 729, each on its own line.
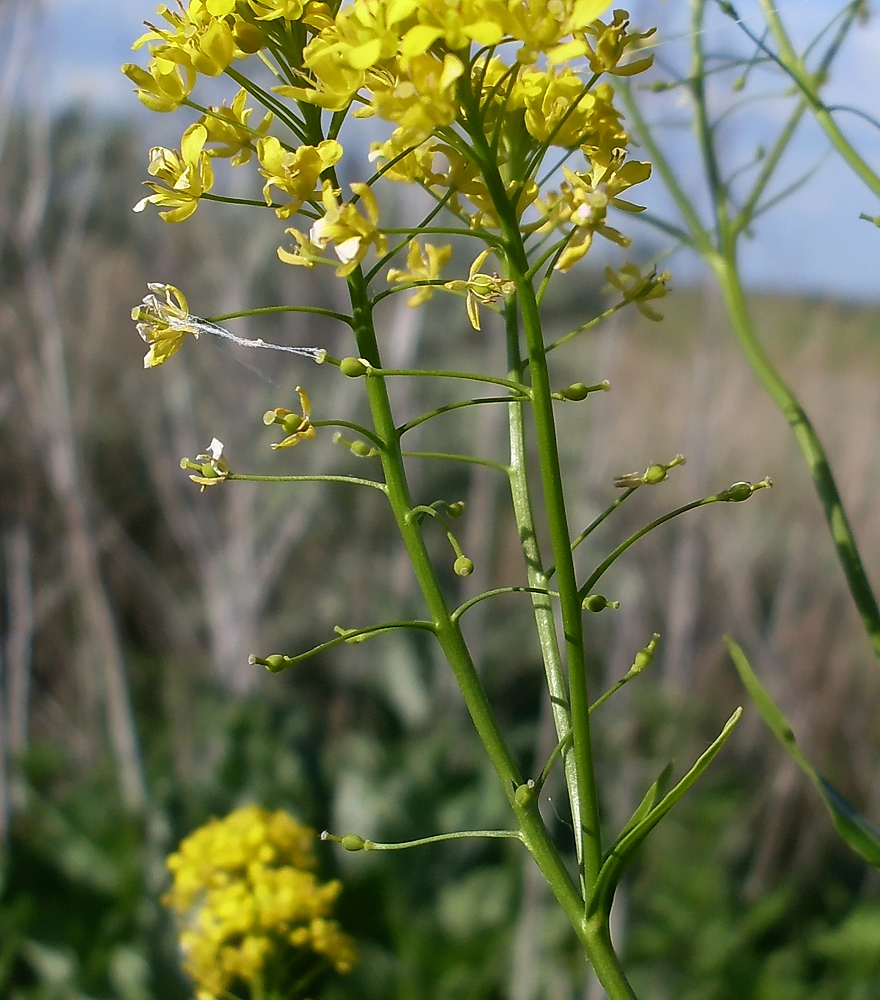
x: 352, y: 367
x: 455, y: 509
x: 463, y: 566
x: 248, y: 37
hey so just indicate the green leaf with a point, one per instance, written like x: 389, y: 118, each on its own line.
x: 861, y: 835
x: 648, y: 802
x: 632, y: 835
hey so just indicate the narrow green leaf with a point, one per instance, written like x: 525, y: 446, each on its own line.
x: 861, y: 835
x: 630, y: 839
x: 649, y: 801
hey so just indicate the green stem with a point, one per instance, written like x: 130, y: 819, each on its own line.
x: 352, y: 480
x: 497, y: 592
x: 273, y: 310
x: 448, y: 631
x: 806, y: 82
x: 469, y: 459
x: 603, y: 566
x: 408, y: 426
x: 587, y: 815
x: 725, y: 268
x: 439, y: 838
x: 517, y: 387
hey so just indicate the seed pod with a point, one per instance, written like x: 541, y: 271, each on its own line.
x: 352, y: 367
x: 463, y: 566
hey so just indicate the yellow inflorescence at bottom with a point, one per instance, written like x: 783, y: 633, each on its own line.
x: 244, y: 888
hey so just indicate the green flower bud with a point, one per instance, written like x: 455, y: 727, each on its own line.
x: 352, y: 367
x: 463, y: 566
x: 352, y: 842
x: 248, y: 37
x: 525, y: 794
x: 597, y: 603
x: 739, y: 83
x: 455, y: 509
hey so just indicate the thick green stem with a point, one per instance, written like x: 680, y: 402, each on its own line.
x: 725, y: 268
x: 534, y: 834
x: 538, y: 579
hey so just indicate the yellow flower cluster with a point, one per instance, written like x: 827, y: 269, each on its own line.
x: 250, y: 902
x: 474, y: 88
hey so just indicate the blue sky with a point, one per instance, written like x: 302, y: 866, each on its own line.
x: 815, y: 242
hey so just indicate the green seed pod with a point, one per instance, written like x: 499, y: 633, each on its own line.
x: 643, y: 659
x: 291, y: 423
x: 576, y: 392
x: 352, y: 842
x: 655, y: 474
x: 455, y: 509
x: 352, y: 367
x: 525, y: 794
x: 738, y: 492
x: 463, y: 566
x: 361, y: 449
x: 596, y: 603
x: 276, y: 662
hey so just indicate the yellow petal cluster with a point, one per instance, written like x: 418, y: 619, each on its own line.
x: 228, y: 126
x: 294, y: 172
x: 250, y: 901
x: 185, y: 176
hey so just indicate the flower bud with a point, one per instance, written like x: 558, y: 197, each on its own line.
x: 352, y: 367
x: 248, y: 37
x: 463, y: 566
x: 597, y: 603
x: 455, y: 509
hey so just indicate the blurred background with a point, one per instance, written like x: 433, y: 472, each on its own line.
x: 129, y: 601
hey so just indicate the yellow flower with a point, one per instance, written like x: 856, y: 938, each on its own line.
x: 480, y: 289
x: 422, y: 266
x: 210, y: 468
x: 638, y: 288
x: 297, y: 427
x: 252, y: 906
x: 163, y: 85
x: 229, y: 127
x: 273, y: 10
x: 422, y: 94
x: 196, y: 38
x: 295, y: 172
x: 351, y: 233
x: 163, y: 325
x: 542, y: 24
x: 187, y: 175
x: 611, y: 43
